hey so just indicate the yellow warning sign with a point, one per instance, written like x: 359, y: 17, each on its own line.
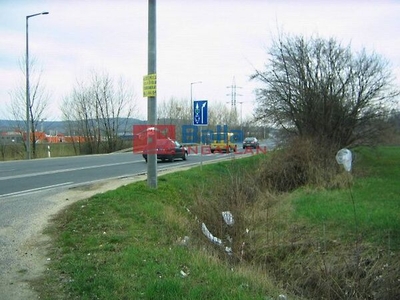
x: 150, y: 85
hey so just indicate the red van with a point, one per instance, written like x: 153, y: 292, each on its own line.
x: 166, y: 149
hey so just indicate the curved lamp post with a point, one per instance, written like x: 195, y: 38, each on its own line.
x: 28, y: 102
x: 191, y: 96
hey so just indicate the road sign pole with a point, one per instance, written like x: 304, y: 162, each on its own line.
x: 200, y: 118
x: 201, y: 148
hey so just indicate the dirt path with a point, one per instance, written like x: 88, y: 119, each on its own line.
x: 23, y: 256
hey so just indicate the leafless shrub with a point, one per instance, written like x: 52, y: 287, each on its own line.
x: 303, y: 162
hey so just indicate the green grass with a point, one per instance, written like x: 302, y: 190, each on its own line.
x: 18, y: 152
x: 126, y: 244
x: 370, y: 207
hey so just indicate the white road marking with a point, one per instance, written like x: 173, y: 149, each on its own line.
x: 62, y: 171
x: 19, y: 193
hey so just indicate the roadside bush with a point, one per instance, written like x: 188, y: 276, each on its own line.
x: 302, y: 162
x: 14, y: 151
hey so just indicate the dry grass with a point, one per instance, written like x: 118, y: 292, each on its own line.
x: 301, y: 163
x: 315, y: 261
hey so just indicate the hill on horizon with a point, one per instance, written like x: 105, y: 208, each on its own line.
x: 53, y: 126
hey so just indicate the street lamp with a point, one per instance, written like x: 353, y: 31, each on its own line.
x: 241, y: 114
x: 28, y: 102
x: 191, y: 95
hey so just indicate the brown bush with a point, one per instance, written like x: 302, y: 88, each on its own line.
x: 302, y: 162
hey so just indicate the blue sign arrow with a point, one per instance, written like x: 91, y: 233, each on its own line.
x: 200, y: 113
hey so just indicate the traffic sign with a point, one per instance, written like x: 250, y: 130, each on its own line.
x: 200, y: 112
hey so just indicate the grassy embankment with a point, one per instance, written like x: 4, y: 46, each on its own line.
x: 130, y: 243
x: 18, y: 151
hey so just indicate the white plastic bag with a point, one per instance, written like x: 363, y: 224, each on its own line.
x: 344, y: 157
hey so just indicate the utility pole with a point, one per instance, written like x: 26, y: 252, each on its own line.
x: 152, y: 100
x: 233, y: 95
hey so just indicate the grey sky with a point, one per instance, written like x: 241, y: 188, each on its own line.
x: 208, y: 41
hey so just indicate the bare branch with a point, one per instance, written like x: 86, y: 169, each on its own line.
x: 321, y: 89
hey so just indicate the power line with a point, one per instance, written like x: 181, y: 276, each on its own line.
x: 233, y: 93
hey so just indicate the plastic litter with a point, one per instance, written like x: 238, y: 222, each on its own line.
x: 344, y: 157
x: 209, y: 235
x: 228, y: 218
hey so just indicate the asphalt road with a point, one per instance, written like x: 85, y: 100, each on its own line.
x: 23, y: 177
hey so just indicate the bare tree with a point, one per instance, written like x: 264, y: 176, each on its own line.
x: 177, y: 112
x: 39, y: 99
x: 99, y: 111
x: 174, y: 112
x: 78, y: 113
x: 220, y: 114
x: 317, y: 88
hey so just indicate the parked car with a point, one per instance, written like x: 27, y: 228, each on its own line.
x: 251, y: 142
x: 166, y: 149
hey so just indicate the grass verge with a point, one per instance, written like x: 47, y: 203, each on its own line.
x: 130, y: 244
x: 140, y: 243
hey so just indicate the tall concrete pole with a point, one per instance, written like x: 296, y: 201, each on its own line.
x: 152, y: 101
x: 28, y: 100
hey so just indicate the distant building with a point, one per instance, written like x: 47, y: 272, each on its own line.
x: 10, y: 137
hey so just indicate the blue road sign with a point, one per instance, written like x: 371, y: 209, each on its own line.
x: 200, y: 112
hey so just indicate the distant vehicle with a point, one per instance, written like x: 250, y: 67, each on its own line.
x: 166, y: 149
x: 251, y: 142
x: 222, y: 142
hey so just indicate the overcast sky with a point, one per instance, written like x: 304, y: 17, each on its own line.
x: 198, y: 40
